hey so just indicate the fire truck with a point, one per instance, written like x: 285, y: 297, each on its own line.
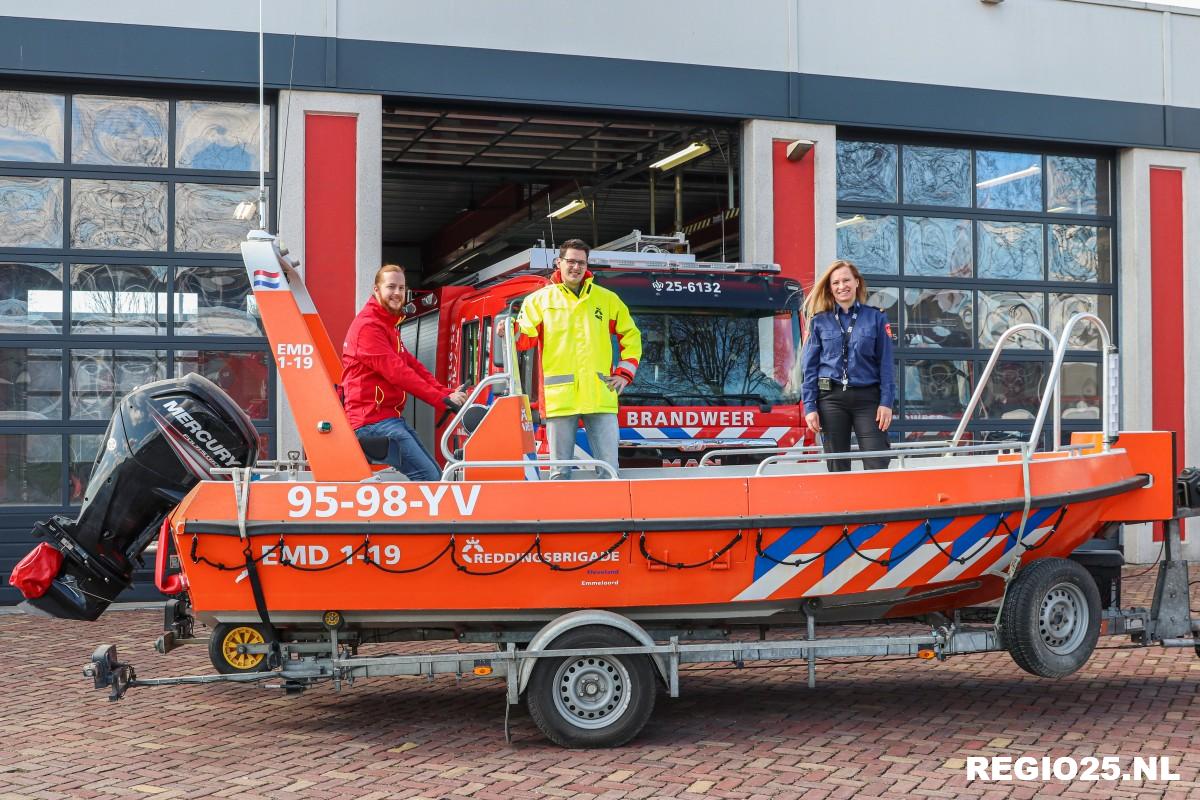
x: 720, y: 348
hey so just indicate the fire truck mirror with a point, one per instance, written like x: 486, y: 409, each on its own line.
x: 498, y: 344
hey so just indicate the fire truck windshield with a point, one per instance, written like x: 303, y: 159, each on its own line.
x: 729, y: 357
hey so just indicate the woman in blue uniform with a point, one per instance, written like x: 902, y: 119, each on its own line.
x: 849, y: 377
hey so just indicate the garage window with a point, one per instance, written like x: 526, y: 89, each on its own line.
x: 958, y: 242
x: 119, y: 265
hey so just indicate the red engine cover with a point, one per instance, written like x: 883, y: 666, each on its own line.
x: 36, y: 571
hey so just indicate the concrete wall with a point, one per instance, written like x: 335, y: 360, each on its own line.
x: 1115, y: 50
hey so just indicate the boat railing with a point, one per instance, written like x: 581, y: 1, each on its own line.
x: 981, y: 384
x: 1052, y: 392
x: 491, y: 380
x: 901, y: 453
x: 451, y: 470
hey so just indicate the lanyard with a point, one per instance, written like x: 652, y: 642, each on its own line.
x: 846, y: 344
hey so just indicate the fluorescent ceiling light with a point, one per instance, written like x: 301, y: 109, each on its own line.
x: 1012, y: 176
x: 1058, y: 209
x: 693, y: 150
x: 857, y: 218
x: 567, y: 210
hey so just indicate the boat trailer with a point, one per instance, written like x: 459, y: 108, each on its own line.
x: 580, y: 672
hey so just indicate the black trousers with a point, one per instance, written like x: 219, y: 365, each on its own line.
x: 853, y: 409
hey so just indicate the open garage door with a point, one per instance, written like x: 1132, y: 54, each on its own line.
x: 465, y: 187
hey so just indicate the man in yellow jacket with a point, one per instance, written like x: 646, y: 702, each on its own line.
x: 575, y: 321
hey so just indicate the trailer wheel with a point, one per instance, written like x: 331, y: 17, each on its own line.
x: 592, y: 700
x: 223, y: 648
x: 1051, y: 617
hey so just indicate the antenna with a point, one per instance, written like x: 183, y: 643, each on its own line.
x: 262, y: 134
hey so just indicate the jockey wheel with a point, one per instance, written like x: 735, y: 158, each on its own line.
x: 223, y: 648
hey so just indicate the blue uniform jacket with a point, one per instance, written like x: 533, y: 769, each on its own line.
x: 870, y: 359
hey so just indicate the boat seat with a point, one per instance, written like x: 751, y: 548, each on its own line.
x: 375, y: 448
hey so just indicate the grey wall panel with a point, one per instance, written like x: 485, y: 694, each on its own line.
x: 395, y: 69
x: 144, y: 52
x: 1183, y: 128
x: 567, y: 81
x: 854, y: 101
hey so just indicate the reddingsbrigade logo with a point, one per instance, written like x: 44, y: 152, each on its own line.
x: 470, y: 550
x: 473, y: 552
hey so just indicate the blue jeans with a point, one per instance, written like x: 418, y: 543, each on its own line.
x: 603, y: 434
x: 405, y: 451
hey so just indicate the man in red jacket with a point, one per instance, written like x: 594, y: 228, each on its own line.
x: 378, y: 374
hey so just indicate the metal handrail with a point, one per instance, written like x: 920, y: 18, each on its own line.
x: 451, y: 469
x: 491, y: 380
x: 914, y: 449
x: 802, y: 451
x: 1107, y: 423
x: 981, y: 384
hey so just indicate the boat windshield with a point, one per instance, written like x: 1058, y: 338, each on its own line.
x: 693, y: 357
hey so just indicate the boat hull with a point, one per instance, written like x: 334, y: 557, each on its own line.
x: 867, y: 545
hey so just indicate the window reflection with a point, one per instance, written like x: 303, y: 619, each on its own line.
x: 242, y: 375
x: 1014, y: 391
x: 30, y: 383
x: 31, y: 127
x: 31, y: 212
x: 887, y: 300
x: 204, y: 217
x: 1008, y: 180
x: 1085, y: 335
x: 215, y: 301
x: 1081, y: 390
x: 31, y: 299
x: 938, y: 318
x: 871, y: 242
x: 118, y: 299
x: 936, y: 389
x: 937, y: 247
x: 84, y: 448
x: 126, y: 131
x: 218, y: 136
x: 1076, y: 185
x: 101, y: 378
x: 730, y: 358
x: 118, y: 215
x: 32, y: 469
x: 866, y: 171
x: 1010, y: 250
x: 937, y: 176
x: 999, y: 311
x: 1080, y: 253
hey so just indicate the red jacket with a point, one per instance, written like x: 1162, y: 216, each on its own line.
x: 377, y: 372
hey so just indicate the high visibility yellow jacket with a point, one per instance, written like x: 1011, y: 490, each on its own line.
x: 576, y: 335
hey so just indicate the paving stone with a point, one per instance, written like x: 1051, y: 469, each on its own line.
x: 873, y: 729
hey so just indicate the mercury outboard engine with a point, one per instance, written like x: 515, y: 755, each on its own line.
x: 164, y: 438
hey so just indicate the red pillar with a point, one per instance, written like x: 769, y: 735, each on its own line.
x: 1166, y: 313
x: 330, y: 205
x: 794, y: 185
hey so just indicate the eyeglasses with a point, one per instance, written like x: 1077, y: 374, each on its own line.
x: 573, y: 262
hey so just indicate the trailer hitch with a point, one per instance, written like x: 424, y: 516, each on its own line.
x: 109, y: 673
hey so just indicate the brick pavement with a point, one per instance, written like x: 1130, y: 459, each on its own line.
x: 879, y: 729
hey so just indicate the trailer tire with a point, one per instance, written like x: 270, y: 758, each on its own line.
x: 222, y: 648
x: 591, y: 701
x: 1051, y: 617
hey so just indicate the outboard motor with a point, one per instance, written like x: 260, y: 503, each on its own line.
x: 164, y: 438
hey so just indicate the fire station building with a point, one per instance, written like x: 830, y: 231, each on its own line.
x: 984, y: 162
